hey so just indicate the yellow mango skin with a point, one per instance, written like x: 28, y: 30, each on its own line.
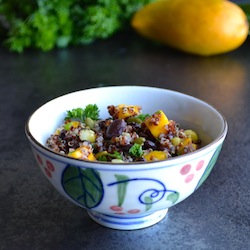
x: 202, y: 27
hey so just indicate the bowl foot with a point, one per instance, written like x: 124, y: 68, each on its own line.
x: 128, y: 223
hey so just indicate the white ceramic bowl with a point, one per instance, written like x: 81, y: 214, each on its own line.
x: 132, y: 195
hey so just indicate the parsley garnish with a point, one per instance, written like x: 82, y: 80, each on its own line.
x: 102, y: 158
x: 115, y: 155
x: 136, y: 150
x: 91, y: 111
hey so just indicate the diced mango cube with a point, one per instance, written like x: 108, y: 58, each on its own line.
x: 156, y: 123
x: 75, y: 124
x: 124, y: 111
x: 155, y: 156
x: 185, y: 143
x: 84, y: 153
x: 91, y: 157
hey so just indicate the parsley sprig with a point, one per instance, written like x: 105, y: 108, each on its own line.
x: 136, y: 150
x: 49, y: 24
x: 115, y: 155
x: 90, y: 111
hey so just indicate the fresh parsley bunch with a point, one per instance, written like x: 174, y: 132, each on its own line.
x: 46, y: 24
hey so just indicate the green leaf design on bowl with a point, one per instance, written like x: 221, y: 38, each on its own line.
x: 210, y: 166
x: 173, y: 197
x: 83, y: 185
x: 122, y: 187
x: 149, y: 202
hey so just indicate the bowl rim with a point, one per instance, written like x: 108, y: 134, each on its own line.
x: 166, y: 162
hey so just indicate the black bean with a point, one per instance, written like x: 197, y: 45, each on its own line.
x: 62, y: 135
x: 125, y: 148
x: 149, y: 144
x: 115, y: 128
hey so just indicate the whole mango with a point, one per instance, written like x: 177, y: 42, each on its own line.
x: 202, y: 27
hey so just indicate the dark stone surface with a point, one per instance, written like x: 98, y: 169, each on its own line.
x: 34, y: 216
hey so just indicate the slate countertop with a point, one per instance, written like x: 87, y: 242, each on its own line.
x: 34, y: 216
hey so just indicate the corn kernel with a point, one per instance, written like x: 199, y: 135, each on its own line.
x: 155, y: 156
x: 156, y: 123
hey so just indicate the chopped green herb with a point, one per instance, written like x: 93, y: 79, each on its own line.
x: 48, y: 24
x: 77, y: 113
x: 102, y: 158
x: 116, y: 155
x: 136, y: 150
x: 90, y: 111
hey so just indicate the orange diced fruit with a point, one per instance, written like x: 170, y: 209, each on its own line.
x: 187, y: 141
x: 155, y: 156
x: 125, y: 111
x: 84, y: 153
x: 156, y: 123
x: 91, y: 157
x: 75, y: 124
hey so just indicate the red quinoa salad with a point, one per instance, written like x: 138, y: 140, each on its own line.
x: 127, y: 135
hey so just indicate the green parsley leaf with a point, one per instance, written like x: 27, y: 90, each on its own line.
x: 77, y: 113
x: 47, y: 24
x: 136, y: 150
x: 116, y: 155
x: 102, y: 158
x: 91, y: 111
